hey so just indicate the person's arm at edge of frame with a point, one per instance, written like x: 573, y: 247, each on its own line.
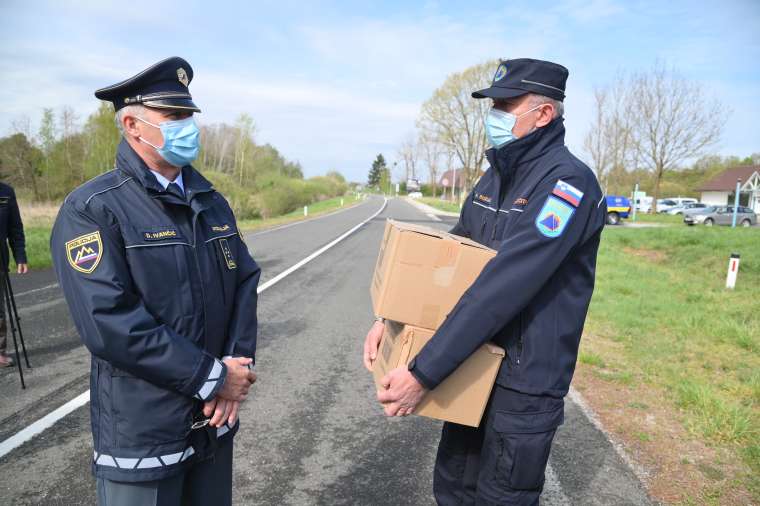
x: 16, y: 237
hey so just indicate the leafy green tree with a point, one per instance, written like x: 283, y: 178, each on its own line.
x: 376, y: 172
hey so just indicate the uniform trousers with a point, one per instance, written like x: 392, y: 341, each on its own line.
x: 206, y: 483
x: 501, y: 462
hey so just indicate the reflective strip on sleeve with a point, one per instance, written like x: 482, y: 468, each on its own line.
x: 210, y: 383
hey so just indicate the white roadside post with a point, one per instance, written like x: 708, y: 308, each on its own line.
x: 736, y: 202
x: 305, y: 210
x: 635, y: 193
x: 341, y: 202
x: 733, y: 270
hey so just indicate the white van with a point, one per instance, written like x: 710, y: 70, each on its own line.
x: 643, y: 204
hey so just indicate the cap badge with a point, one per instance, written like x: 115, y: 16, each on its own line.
x: 501, y: 72
x: 182, y: 76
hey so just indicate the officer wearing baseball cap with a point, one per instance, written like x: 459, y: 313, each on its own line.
x: 162, y: 290
x: 542, y: 209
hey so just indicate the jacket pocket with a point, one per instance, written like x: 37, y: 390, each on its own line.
x: 148, y: 415
x: 524, y: 441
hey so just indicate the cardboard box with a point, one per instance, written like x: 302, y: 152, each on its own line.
x: 460, y: 398
x: 421, y: 273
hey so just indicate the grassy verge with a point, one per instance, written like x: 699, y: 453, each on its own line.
x: 443, y: 205
x: 662, y: 319
x: 315, y: 209
x: 38, y: 226
x: 665, y: 219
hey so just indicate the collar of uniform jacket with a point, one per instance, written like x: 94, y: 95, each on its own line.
x: 508, y: 159
x: 130, y: 163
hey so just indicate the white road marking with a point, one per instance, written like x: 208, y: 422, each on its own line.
x: 51, y: 418
x: 43, y: 423
x: 48, y: 287
x: 433, y: 217
x: 553, y: 493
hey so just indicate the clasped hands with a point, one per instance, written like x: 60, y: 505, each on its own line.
x: 402, y: 392
x: 225, y: 406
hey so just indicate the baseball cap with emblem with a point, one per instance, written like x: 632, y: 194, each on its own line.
x: 525, y: 75
x: 162, y: 86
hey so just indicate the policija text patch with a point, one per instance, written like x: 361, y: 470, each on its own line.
x: 84, y: 252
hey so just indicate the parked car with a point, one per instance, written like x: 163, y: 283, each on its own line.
x: 617, y: 207
x: 666, y: 204
x: 414, y: 195
x: 688, y: 206
x: 663, y: 205
x: 721, y: 215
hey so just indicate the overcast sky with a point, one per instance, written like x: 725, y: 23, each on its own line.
x: 331, y: 84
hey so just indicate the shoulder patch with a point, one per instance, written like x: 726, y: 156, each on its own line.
x: 554, y: 217
x: 84, y: 252
x: 568, y: 193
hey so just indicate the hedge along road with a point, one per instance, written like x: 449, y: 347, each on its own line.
x: 312, y: 432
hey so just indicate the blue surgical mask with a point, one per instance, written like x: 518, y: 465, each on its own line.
x: 181, y: 141
x: 499, y: 125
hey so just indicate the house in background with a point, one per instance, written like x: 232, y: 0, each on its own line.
x: 720, y: 190
x: 451, y: 183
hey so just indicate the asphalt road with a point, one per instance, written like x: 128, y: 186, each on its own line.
x: 312, y: 432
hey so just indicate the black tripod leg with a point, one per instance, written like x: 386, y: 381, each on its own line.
x: 12, y: 322
x: 18, y: 320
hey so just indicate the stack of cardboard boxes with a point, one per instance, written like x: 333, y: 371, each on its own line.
x: 420, y: 275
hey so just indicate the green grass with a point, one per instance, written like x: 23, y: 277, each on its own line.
x: 315, y: 209
x: 38, y: 236
x: 665, y: 219
x: 38, y: 246
x: 660, y: 297
x: 443, y: 205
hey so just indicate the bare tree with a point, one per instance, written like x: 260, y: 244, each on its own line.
x: 432, y: 151
x: 671, y: 121
x: 409, y: 154
x: 608, y: 141
x: 244, y: 143
x: 456, y: 120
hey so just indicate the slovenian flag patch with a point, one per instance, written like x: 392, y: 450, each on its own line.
x: 568, y: 192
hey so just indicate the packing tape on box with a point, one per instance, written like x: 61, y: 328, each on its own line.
x: 444, y: 267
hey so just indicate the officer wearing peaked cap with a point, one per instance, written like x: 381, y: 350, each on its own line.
x: 162, y: 290
x: 543, y: 211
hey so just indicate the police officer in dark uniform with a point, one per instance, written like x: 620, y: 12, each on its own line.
x: 543, y: 210
x: 162, y: 290
x: 11, y: 234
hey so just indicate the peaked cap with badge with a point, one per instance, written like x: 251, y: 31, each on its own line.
x: 526, y: 75
x: 163, y: 85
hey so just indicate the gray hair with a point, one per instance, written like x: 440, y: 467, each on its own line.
x: 135, y: 110
x: 536, y: 100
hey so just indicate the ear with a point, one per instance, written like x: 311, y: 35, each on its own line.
x: 545, y: 116
x: 129, y: 124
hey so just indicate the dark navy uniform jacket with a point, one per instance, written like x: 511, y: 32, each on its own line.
x: 160, y: 288
x: 543, y: 210
x: 11, y: 229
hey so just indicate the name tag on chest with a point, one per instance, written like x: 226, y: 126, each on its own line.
x: 161, y: 234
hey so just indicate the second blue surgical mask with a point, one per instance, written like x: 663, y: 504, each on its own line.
x: 499, y: 125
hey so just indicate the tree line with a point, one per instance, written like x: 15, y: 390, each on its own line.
x: 64, y: 153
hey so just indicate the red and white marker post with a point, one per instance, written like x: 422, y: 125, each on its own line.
x: 733, y: 270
